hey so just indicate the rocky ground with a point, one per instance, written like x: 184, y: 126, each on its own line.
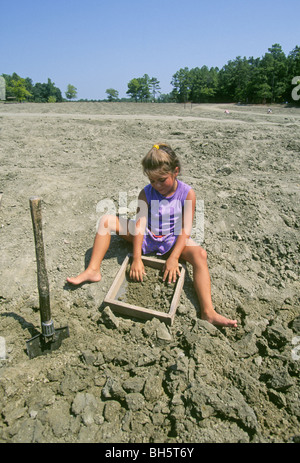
x: 125, y: 380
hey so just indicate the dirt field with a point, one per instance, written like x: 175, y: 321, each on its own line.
x: 123, y: 380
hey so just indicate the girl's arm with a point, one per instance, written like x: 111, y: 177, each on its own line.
x: 137, y: 269
x: 171, y: 269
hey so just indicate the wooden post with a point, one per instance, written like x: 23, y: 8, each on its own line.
x: 43, y: 284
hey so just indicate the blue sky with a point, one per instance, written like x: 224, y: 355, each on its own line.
x: 101, y: 44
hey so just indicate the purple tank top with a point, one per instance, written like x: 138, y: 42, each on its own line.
x: 164, y: 218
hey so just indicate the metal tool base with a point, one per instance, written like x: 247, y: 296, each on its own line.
x: 41, y: 345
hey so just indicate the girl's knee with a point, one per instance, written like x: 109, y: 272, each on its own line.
x: 105, y: 219
x: 200, y: 256
x: 107, y: 223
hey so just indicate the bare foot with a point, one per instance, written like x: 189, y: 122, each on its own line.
x: 218, y: 320
x: 88, y: 276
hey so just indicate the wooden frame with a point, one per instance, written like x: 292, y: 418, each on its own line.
x: 142, y: 312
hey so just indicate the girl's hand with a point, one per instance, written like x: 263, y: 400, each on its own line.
x: 171, y: 269
x: 137, y: 270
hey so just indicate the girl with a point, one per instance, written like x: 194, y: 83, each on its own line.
x: 164, y: 220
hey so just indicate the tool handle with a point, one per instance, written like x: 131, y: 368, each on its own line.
x: 43, y: 284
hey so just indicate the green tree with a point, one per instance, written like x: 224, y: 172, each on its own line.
x: 30, y: 88
x: 8, y: 80
x: 274, y: 69
x: 144, y: 93
x: 39, y: 93
x: 71, y: 92
x: 293, y: 62
x: 133, y: 88
x: 18, y: 88
x: 53, y: 91
x: 203, y: 84
x: 181, y: 84
x: 138, y: 88
x: 112, y: 94
x: 264, y: 92
x: 154, y: 87
x: 234, y: 80
x: 43, y: 91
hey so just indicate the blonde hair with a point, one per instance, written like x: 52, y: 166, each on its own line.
x: 162, y: 158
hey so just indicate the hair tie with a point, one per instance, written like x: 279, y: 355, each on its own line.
x: 156, y: 146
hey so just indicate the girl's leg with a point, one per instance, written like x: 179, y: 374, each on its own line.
x: 108, y: 224
x: 197, y: 256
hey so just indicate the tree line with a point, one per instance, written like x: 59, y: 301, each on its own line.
x: 23, y: 89
x: 269, y: 79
